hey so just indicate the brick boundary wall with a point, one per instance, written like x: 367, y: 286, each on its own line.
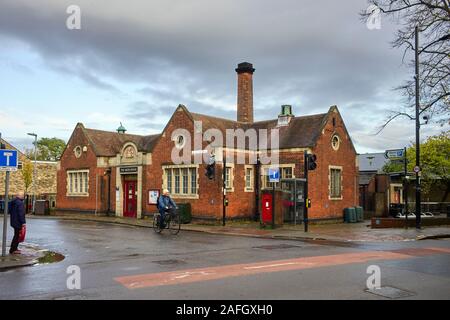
x: 380, y: 223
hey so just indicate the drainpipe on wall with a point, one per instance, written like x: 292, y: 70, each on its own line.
x: 96, y: 192
x: 257, y: 188
x: 109, y: 191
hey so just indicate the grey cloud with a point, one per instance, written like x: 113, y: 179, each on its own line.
x: 309, y: 54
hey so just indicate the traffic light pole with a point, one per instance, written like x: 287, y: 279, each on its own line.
x: 305, y: 216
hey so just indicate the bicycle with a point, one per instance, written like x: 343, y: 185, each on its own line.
x: 172, y: 222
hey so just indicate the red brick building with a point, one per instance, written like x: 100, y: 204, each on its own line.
x: 115, y: 171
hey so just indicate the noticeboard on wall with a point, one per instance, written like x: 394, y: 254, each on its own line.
x: 153, y: 195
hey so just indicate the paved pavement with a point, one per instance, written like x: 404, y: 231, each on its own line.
x: 360, y: 232
x: 129, y: 262
x: 29, y: 256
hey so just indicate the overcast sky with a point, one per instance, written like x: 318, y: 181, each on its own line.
x: 135, y: 61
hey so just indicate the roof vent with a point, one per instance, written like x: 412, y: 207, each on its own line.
x: 121, y: 129
x: 286, y: 110
x: 284, y: 118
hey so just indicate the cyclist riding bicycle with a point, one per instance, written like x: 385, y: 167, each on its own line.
x: 165, y: 205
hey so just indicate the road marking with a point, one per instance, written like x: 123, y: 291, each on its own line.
x: 270, y: 265
x: 214, y: 273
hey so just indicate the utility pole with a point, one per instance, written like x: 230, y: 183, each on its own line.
x: 418, y: 191
x: 34, y: 171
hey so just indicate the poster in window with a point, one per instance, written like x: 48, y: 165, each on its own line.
x: 153, y: 196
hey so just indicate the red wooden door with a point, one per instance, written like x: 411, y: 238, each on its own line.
x: 130, y: 199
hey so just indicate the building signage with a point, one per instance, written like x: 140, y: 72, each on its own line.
x: 394, y: 154
x: 9, y: 160
x: 153, y: 196
x: 129, y: 170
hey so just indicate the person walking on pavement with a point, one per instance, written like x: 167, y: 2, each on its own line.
x: 165, y: 204
x: 16, y: 209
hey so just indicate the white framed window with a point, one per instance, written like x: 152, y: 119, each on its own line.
x: 169, y: 180
x: 176, y: 175
x: 229, y: 178
x: 249, y: 179
x: 335, y: 183
x: 185, y: 181
x: 286, y: 172
x: 181, y: 180
x: 193, y: 180
x: 78, y: 183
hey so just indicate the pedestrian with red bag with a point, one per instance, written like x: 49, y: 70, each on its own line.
x: 16, y: 209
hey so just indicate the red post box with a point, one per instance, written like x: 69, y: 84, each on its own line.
x: 267, y: 208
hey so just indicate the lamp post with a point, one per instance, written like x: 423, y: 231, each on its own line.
x: 418, y: 208
x: 34, y: 170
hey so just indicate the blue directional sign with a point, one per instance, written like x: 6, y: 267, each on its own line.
x: 9, y: 160
x: 274, y: 174
x: 394, y: 154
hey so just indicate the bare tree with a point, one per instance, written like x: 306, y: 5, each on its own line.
x: 433, y: 20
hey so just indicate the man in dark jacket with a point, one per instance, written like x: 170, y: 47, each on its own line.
x: 16, y: 209
x: 165, y: 205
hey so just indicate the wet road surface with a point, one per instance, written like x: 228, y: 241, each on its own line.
x: 120, y: 262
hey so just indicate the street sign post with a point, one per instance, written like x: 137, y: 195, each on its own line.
x: 394, y: 154
x: 8, y: 162
x: 274, y: 177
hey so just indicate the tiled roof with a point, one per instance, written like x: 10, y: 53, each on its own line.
x: 108, y: 144
x: 11, y: 147
x: 301, y: 131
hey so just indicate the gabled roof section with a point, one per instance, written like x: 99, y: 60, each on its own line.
x: 109, y: 144
x: 301, y: 132
x: 334, y: 109
x: 11, y: 147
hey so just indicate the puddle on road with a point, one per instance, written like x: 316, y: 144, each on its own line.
x: 50, y: 257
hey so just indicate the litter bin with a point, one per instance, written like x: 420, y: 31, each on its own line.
x: 184, y: 209
x: 42, y: 207
x: 359, y: 214
x: 350, y: 215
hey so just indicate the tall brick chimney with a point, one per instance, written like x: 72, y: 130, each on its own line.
x: 245, y: 92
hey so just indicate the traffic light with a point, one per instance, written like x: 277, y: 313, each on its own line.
x: 211, y: 168
x: 311, y: 161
